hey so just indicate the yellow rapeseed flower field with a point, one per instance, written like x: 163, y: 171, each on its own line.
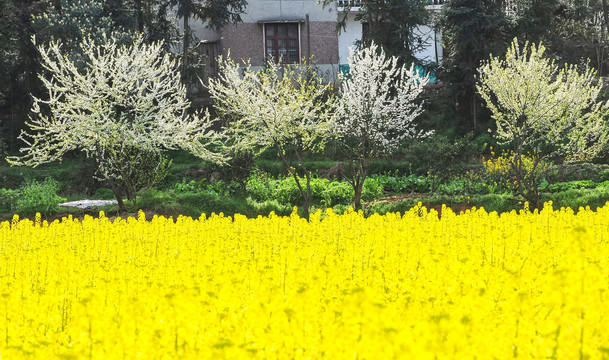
x: 529, y: 285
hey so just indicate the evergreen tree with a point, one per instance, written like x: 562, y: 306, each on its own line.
x: 471, y: 30
x: 19, y: 64
x: 391, y: 24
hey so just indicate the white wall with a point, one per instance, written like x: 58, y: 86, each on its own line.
x: 258, y: 10
x: 347, y: 37
x: 431, y: 39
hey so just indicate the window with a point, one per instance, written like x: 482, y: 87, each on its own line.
x: 281, y: 42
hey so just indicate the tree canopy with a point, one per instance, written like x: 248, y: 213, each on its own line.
x: 540, y: 106
x: 126, y: 98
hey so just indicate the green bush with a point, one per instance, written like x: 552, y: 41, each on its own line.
x: 103, y: 194
x: 576, y: 198
x: 602, y: 176
x: 39, y: 197
x: 496, y: 202
x: 441, y: 158
x: 261, y: 187
x: 194, y: 204
x: 403, y: 184
x: 8, y: 198
x: 373, y: 189
x: 220, y: 187
x: 569, y: 185
x: 264, y: 208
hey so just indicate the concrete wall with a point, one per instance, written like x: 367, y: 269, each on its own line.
x: 347, y: 37
x: 432, y: 52
x: 263, y: 10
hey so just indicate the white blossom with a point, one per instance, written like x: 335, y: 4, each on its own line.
x: 377, y: 109
x: 285, y: 107
x: 272, y: 107
x: 536, y: 103
x: 126, y: 96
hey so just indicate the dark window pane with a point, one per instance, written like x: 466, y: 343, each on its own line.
x: 293, y: 30
x: 293, y: 55
x: 270, y: 30
x: 293, y: 43
x: 282, y: 30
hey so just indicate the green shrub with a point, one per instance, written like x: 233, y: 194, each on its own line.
x: 441, y: 158
x: 39, y: 197
x: 336, y: 192
x: 496, y: 202
x: 103, y: 194
x: 602, y: 176
x: 399, y: 168
x: 220, y: 187
x: 453, y: 187
x: 261, y: 187
x: 569, y: 185
x: 576, y: 198
x: 373, y: 189
x: 264, y: 208
x: 403, y: 184
x: 578, y: 171
x: 8, y: 198
x: 195, y: 203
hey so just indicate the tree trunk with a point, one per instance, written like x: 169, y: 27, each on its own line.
x: 307, y: 197
x: 362, y: 171
x: 474, y: 115
x: 119, y: 199
x: 186, y: 45
x: 357, y: 199
x: 605, y: 14
x: 140, y: 16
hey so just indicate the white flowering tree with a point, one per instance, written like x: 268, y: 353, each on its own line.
x: 123, y: 109
x: 376, y: 110
x: 544, y: 108
x: 283, y: 107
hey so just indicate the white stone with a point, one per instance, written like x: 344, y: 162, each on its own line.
x: 83, y: 204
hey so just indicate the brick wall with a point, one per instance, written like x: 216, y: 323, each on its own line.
x: 245, y: 42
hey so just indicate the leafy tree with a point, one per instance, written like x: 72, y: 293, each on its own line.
x: 281, y: 107
x: 376, y: 110
x: 71, y: 21
x: 391, y: 24
x: 127, y: 103
x: 19, y: 64
x: 544, y: 108
x: 471, y: 30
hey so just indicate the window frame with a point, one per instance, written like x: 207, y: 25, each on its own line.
x: 276, y: 37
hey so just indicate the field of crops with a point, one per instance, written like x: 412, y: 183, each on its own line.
x: 411, y: 286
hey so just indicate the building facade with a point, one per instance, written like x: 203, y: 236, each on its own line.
x: 290, y: 30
